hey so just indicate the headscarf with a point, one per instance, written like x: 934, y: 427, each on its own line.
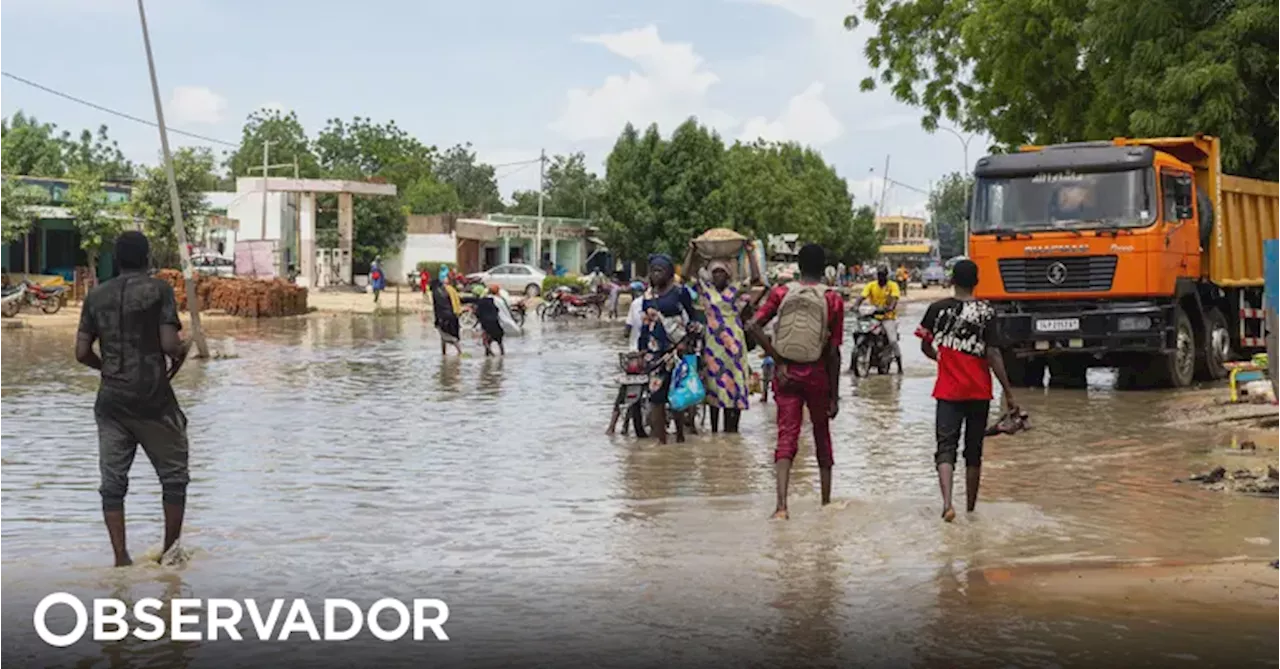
x: 720, y: 264
x: 662, y: 260
x: 494, y: 289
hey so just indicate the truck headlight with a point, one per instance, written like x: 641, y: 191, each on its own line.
x: 1134, y: 323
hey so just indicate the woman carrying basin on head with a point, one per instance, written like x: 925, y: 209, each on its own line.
x: 724, y: 365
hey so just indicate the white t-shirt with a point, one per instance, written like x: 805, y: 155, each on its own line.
x: 635, y: 318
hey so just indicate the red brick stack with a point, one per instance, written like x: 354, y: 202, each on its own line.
x: 241, y: 296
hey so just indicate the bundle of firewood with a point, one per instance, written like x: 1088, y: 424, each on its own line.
x: 241, y: 296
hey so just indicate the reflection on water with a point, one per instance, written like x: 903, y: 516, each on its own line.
x: 343, y: 456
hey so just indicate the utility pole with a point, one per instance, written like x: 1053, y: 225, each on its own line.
x: 179, y: 231
x: 884, y: 189
x: 542, y: 193
x: 266, y: 153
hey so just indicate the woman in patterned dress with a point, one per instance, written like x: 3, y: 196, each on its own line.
x: 724, y: 350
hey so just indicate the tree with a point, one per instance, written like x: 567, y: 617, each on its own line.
x: 288, y: 140
x: 525, y: 202
x: 364, y: 149
x: 97, y: 154
x: 571, y: 190
x: 473, y: 181
x: 428, y: 196
x: 630, y: 225
x: 947, y: 213
x: 97, y: 221
x: 30, y: 148
x: 1044, y: 72
x: 18, y: 212
x: 193, y: 170
x: 690, y: 186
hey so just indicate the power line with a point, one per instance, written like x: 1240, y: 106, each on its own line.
x: 108, y: 110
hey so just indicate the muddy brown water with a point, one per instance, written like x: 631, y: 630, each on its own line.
x: 342, y: 457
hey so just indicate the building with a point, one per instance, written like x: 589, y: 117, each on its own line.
x: 474, y: 244
x: 52, y: 246
x: 906, y: 239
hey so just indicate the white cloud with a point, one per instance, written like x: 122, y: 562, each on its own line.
x: 196, y: 104
x: 671, y: 85
x: 806, y: 119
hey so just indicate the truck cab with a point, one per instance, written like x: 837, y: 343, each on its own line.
x: 1107, y: 254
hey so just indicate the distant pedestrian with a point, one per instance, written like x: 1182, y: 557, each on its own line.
x: 489, y: 314
x: 635, y: 316
x: 446, y: 318
x: 377, y: 280
x: 806, y: 352
x: 134, y: 319
x: 959, y: 333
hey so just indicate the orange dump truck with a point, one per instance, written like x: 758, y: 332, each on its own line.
x: 1137, y: 254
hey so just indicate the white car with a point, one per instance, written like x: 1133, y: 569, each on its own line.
x: 213, y: 264
x: 514, y: 278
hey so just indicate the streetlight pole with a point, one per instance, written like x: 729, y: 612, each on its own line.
x: 179, y: 230
x: 964, y: 141
x: 542, y: 192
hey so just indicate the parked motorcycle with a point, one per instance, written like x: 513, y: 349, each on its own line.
x: 871, y: 347
x: 564, y: 302
x: 11, y: 300
x: 48, y: 298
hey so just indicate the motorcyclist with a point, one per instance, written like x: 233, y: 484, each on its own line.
x: 635, y: 318
x: 884, y: 295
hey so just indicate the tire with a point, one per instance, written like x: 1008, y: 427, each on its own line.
x: 1068, y: 373
x: 1177, y: 369
x: 532, y: 290
x: 637, y: 417
x: 1023, y: 372
x: 599, y: 311
x: 862, y: 359
x: 11, y: 308
x: 51, y: 305
x: 1215, y: 348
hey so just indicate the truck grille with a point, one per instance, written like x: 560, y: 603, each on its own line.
x: 1041, y: 275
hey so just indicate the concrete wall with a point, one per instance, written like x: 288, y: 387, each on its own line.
x: 420, y: 248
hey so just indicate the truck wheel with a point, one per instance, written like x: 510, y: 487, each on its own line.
x: 1067, y: 373
x: 1215, y: 349
x: 1024, y: 372
x: 1178, y: 369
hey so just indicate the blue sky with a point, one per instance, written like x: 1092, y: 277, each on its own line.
x: 509, y: 76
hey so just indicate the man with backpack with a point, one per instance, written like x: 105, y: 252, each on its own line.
x: 806, y: 351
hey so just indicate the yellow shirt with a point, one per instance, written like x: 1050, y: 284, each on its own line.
x: 879, y: 297
x: 454, y: 299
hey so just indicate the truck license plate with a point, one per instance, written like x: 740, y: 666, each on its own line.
x: 1058, y: 325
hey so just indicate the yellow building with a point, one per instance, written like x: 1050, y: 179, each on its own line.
x: 904, y: 237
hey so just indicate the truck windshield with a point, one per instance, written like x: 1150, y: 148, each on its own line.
x: 1064, y: 201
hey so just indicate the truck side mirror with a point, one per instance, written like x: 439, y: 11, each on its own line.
x: 1183, y: 190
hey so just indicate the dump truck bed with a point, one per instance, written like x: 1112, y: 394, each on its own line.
x: 1247, y: 212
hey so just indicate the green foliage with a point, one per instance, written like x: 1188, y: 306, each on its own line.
x: 32, y: 148
x: 551, y: 283
x: 473, y: 181
x: 947, y: 213
x: 17, y: 208
x: 1044, y: 72
x: 428, y: 196
x: 288, y: 140
x: 660, y: 193
x: 150, y: 203
x: 97, y: 220
x: 571, y: 190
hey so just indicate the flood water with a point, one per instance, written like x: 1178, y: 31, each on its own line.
x: 342, y: 457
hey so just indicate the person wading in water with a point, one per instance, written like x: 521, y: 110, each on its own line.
x: 446, y: 318
x: 959, y: 333
x: 489, y: 313
x: 668, y: 312
x: 806, y: 350
x: 134, y: 320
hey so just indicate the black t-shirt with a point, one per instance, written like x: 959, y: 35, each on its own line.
x: 487, y: 310
x: 125, y: 315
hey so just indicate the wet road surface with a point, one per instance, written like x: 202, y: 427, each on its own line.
x: 342, y: 457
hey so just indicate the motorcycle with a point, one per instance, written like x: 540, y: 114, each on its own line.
x: 12, y: 299
x: 48, y: 298
x: 634, y: 381
x: 563, y: 301
x: 871, y: 347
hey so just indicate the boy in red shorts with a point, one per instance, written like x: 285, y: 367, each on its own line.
x: 805, y: 348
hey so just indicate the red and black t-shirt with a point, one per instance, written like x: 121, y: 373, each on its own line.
x: 961, y: 331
